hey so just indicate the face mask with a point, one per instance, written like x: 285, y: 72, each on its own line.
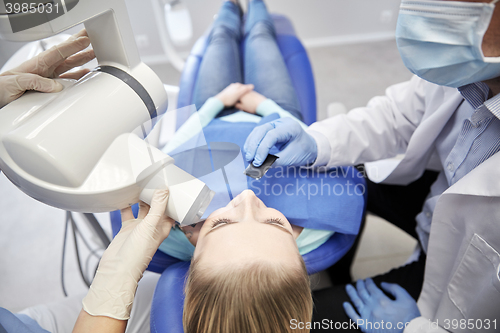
x: 440, y: 41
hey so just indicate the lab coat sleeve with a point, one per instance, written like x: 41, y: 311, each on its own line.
x: 423, y: 325
x: 380, y: 130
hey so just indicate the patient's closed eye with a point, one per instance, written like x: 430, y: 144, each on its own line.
x: 275, y: 221
x: 218, y: 222
x: 222, y: 221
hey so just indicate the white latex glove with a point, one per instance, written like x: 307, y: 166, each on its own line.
x: 37, y: 73
x: 127, y: 257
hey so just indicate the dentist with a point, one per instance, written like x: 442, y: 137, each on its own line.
x: 445, y: 117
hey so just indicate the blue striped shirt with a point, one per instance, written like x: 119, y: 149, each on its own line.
x: 471, y: 136
x: 479, y: 137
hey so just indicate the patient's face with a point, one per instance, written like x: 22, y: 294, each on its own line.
x: 246, y: 231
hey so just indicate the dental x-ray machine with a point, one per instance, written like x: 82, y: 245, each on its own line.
x: 82, y: 149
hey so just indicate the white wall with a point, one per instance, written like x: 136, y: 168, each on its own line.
x: 323, y: 22
x: 318, y: 22
x: 7, y: 49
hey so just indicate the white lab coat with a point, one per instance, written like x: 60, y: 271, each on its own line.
x: 463, y: 257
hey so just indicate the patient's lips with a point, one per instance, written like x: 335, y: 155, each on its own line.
x: 192, y: 232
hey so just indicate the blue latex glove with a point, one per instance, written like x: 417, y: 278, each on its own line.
x: 373, y: 306
x: 297, y: 148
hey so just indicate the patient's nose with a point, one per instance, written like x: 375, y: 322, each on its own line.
x: 248, y: 203
x: 249, y: 196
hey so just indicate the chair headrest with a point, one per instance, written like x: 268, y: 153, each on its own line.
x: 168, y: 300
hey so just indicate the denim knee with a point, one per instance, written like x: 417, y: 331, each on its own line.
x: 223, y: 32
x: 262, y: 29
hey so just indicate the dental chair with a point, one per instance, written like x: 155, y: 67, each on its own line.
x: 167, y: 305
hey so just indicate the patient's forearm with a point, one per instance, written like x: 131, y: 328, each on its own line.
x: 195, y: 123
x: 96, y: 324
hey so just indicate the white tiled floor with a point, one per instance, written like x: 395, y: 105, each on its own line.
x: 31, y: 233
x: 382, y: 247
x: 31, y: 240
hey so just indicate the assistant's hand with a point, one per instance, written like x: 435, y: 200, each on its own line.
x: 250, y: 102
x: 297, y: 148
x: 374, y: 306
x: 233, y: 92
x: 37, y: 73
x: 127, y: 257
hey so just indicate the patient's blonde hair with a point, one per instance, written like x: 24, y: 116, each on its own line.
x: 253, y: 298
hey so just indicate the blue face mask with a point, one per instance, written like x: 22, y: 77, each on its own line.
x: 440, y: 41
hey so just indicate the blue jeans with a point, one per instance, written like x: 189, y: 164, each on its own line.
x: 263, y: 65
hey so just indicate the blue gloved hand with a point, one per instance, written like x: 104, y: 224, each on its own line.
x: 297, y: 148
x: 377, y: 312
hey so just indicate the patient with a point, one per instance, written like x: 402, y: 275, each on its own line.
x: 247, y: 273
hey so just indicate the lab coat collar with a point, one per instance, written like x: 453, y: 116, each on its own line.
x: 420, y: 147
x: 484, y: 180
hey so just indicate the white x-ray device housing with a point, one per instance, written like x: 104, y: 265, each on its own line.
x: 83, y: 149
